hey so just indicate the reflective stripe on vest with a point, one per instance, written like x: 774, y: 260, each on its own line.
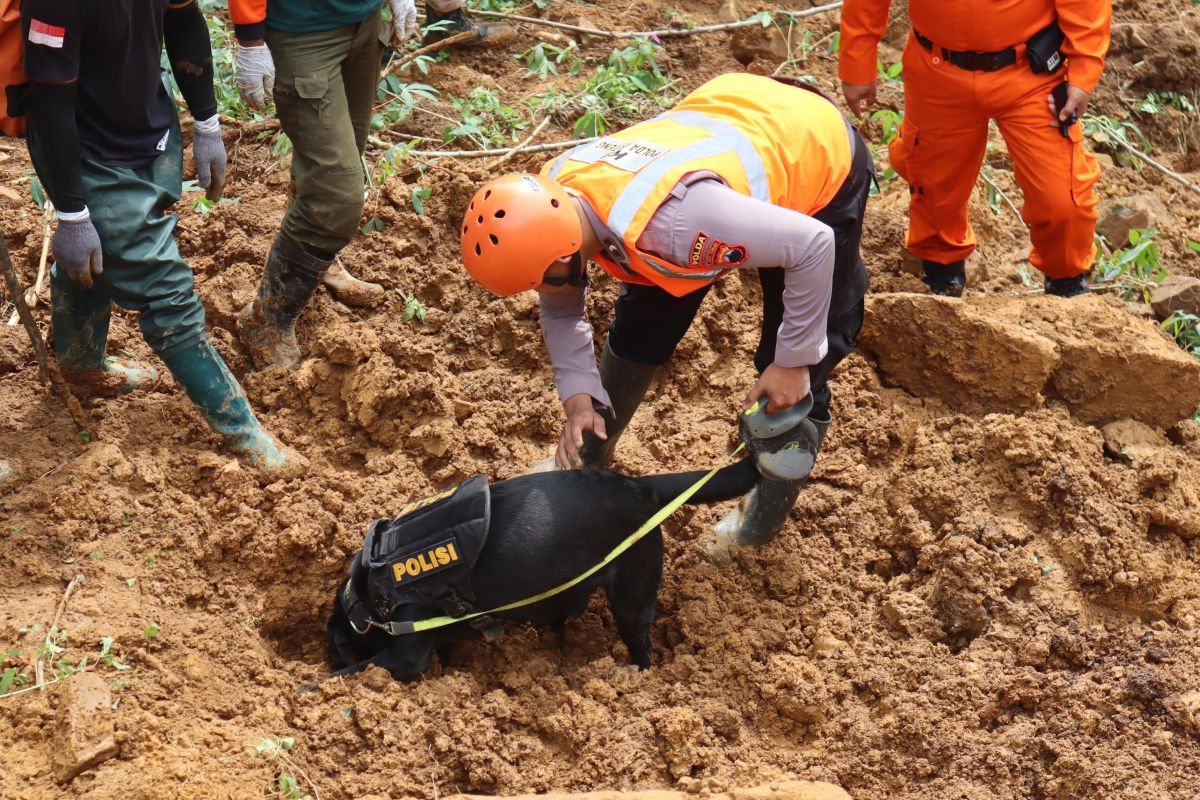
x: 723, y: 138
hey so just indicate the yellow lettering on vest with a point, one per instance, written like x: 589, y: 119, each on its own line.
x: 698, y: 247
x: 426, y: 562
x: 412, y: 567
x: 441, y: 556
x: 452, y: 552
x: 397, y: 572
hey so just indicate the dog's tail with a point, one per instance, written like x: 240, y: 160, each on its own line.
x: 729, y: 483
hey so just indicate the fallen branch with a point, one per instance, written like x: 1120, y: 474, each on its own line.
x: 499, y: 151
x: 1165, y: 170
x: 396, y: 65
x: 31, y: 294
x: 722, y: 26
x: 39, y: 667
x: 47, y: 369
x: 520, y: 147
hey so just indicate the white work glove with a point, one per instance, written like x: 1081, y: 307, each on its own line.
x: 76, y: 247
x: 404, y: 21
x: 255, y: 75
x: 209, y: 151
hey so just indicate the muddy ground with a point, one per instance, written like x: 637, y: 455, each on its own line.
x: 974, y: 597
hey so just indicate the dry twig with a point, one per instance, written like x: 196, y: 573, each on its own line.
x: 499, y: 151
x: 398, y: 65
x: 1165, y: 170
x: 40, y: 667
x: 46, y: 368
x: 31, y: 294
x: 722, y: 26
x: 1016, y: 212
x: 525, y: 143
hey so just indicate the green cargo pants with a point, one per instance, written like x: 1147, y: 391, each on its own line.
x: 325, y: 84
x: 143, y: 269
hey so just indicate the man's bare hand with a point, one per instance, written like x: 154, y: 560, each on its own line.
x: 581, y: 419
x: 859, y: 97
x: 783, y: 386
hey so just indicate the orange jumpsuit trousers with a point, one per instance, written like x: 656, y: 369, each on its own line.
x: 943, y: 137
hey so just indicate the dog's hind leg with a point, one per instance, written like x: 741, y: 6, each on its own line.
x: 633, y: 594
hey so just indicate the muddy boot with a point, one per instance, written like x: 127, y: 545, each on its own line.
x: 785, y: 447
x: 1068, y: 287
x: 202, y: 373
x: 80, y: 333
x: 626, y: 383
x: 349, y: 289
x: 948, y: 280
x: 267, y: 325
x: 456, y: 22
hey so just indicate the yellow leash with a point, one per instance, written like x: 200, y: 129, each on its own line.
x: 401, y: 628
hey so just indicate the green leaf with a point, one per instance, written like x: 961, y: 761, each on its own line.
x: 151, y: 631
x: 37, y: 192
x: 373, y: 225
x: 419, y: 195
x: 6, y: 680
x: 1193, y: 246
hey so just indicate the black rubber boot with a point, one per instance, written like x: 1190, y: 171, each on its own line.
x: 456, y: 22
x: 948, y: 280
x: 267, y: 325
x: 626, y: 383
x: 784, y: 449
x: 1068, y: 287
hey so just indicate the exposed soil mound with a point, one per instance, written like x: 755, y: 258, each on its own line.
x: 980, y: 594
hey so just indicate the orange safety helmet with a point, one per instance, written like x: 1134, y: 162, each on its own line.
x: 516, y: 226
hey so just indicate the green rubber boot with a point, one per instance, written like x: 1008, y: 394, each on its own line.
x: 626, y: 383
x: 80, y: 333
x: 201, y: 371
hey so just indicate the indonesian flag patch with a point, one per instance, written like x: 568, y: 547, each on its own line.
x: 47, y: 34
x: 708, y: 251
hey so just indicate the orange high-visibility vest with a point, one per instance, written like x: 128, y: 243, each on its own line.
x: 12, y: 70
x: 774, y: 142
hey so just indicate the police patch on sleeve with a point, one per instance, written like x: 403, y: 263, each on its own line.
x: 426, y: 561
x: 708, y: 251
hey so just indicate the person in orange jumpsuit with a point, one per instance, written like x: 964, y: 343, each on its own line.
x: 968, y: 61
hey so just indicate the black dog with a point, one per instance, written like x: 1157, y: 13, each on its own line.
x: 545, y: 529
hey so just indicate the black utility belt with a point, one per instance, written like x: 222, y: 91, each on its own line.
x: 1044, y: 50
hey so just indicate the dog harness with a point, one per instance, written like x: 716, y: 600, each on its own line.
x: 424, y: 556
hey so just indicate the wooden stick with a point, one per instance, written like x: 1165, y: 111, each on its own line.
x: 47, y: 369
x: 31, y: 294
x: 723, y: 26
x: 39, y: 668
x: 398, y: 65
x: 528, y: 139
x: 499, y: 151
x: 1170, y: 173
x: 983, y: 176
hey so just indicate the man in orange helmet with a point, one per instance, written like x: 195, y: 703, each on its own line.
x: 1028, y: 64
x: 745, y: 172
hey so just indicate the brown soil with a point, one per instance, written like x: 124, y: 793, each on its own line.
x: 973, y: 599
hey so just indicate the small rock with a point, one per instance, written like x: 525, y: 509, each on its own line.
x: 83, y: 727
x: 749, y: 44
x: 7, y: 471
x: 585, y: 38
x: 1176, y: 293
x: 1143, y: 310
x: 1119, y: 217
x: 1131, y: 440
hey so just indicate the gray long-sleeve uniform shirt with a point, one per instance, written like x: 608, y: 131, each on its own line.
x: 700, y: 210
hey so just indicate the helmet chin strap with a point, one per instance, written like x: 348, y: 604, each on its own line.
x: 577, y: 275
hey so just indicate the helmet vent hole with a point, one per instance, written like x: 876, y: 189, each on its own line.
x: 466, y: 228
x: 499, y: 214
x: 487, y: 194
x: 478, y: 250
x: 472, y: 205
x: 481, y: 219
x: 492, y: 236
x: 554, y: 202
